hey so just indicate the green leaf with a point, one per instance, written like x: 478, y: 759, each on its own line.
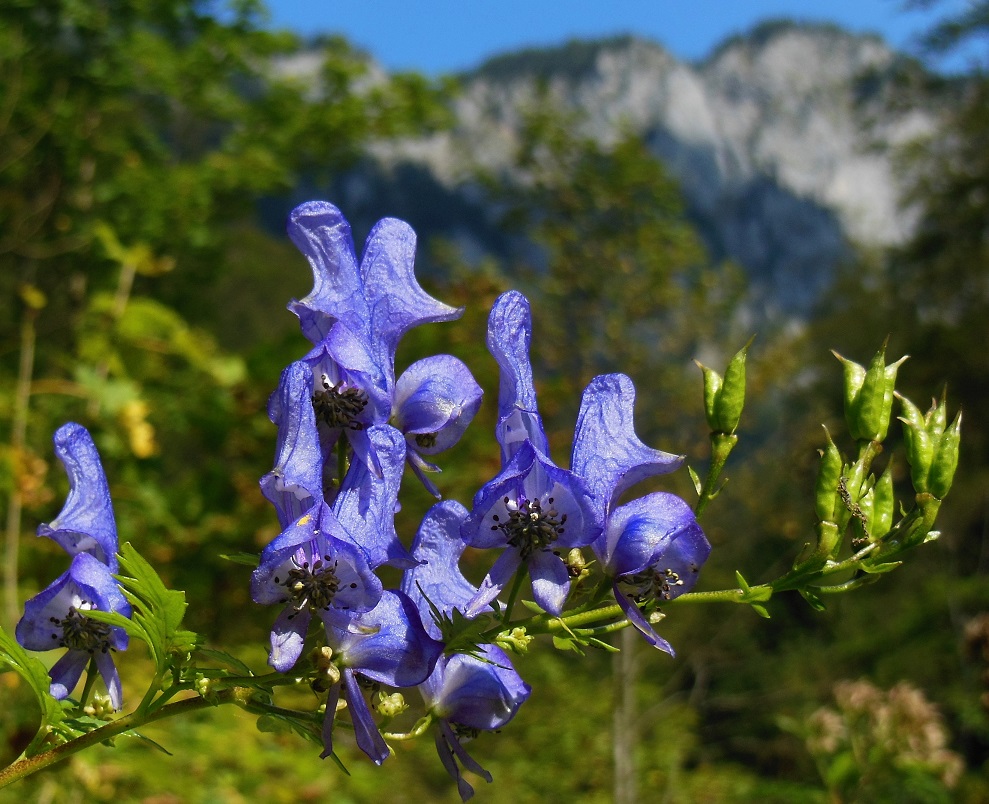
x: 879, y: 569
x: 35, y: 674
x: 532, y: 606
x: 225, y: 659
x: 760, y: 610
x: 695, y: 479
x: 815, y: 602
x: 247, y: 559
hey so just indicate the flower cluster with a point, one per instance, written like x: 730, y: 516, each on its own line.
x: 346, y: 430
x: 86, y: 530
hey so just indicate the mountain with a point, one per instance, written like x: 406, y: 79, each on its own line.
x: 781, y: 140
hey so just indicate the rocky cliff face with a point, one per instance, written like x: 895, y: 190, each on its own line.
x: 780, y: 140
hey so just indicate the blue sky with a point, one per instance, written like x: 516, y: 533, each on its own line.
x: 437, y: 36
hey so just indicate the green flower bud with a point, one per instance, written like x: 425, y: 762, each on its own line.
x: 826, y: 490
x: 724, y: 397
x: 389, y: 705
x: 869, y: 396
x: 919, y: 445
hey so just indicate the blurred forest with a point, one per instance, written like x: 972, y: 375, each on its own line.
x: 141, y: 296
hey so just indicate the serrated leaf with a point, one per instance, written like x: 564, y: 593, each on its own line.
x: 36, y: 676
x: 225, y: 659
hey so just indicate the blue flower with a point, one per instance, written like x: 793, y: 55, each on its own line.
x: 465, y: 694
x: 387, y: 645
x: 53, y: 619
x: 86, y: 523
x: 533, y: 508
x: 651, y: 547
x: 355, y: 316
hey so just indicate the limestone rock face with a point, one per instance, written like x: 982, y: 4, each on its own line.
x: 780, y: 141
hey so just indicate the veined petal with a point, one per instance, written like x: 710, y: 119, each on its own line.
x: 435, y: 399
x: 641, y: 623
x: 332, y: 698
x: 443, y: 739
x: 366, y: 504
x: 509, y: 339
x: 110, y: 676
x: 86, y: 523
x: 643, y: 531
x: 87, y: 584
x: 322, y: 234
x: 366, y: 733
x: 387, y: 644
x: 606, y: 451
x: 437, y: 547
x: 287, y: 637
x: 477, y: 693
x: 66, y: 672
x: 550, y: 581
x: 396, y: 301
x: 498, y: 576
x: 294, y: 486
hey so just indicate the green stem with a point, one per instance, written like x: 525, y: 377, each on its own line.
x: 721, y: 447
x: 87, y: 689
x: 27, y: 767
x: 513, y: 594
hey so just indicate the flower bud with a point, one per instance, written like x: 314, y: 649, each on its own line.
x: 389, y: 705
x: 869, y: 396
x: 724, y: 397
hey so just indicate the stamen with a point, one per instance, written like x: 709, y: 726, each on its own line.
x: 426, y: 440
x: 81, y: 633
x: 529, y: 527
x: 339, y: 405
x: 313, y: 586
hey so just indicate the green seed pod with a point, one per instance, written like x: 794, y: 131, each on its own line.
x: 945, y: 460
x: 724, y: 397
x: 712, y: 387
x: 869, y: 396
x: 826, y: 488
x: 918, y: 441
x: 883, y: 505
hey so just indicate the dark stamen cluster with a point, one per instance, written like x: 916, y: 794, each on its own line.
x: 529, y: 527
x: 339, y: 406
x: 426, y: 440
x: 312, y: 585
x: 653, y: 584
x: 81, y: 633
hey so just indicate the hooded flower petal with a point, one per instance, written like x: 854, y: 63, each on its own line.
x: 86, y: 523
x: 606, y: 451
x: 437, y: 578
x: 509, y: 338
x: 396, y: 301
x: 322, y: 234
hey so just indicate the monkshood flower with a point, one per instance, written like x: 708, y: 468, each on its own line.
x: 86, y: 523
x: 355, y: 316
x: 364, y: 504
x: 533, y: 509
x: 465, y: 694
x: 651, y: 547
x: 54, y: 619
x: 387, y: 645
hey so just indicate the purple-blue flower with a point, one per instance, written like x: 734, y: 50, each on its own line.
x: 533, y: 509
x: 387, y: 645
x: 465, y: 694
x: 86, y: 523
x: 53, y: 619
x: 651, y: 547
x: 355, y: 316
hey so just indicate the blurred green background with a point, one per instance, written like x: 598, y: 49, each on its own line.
x: 142, y: 295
